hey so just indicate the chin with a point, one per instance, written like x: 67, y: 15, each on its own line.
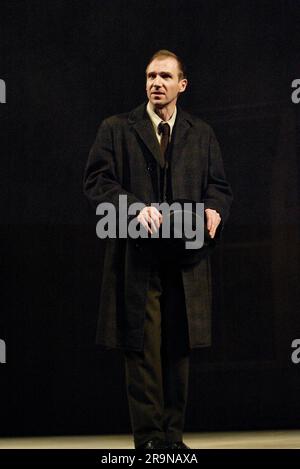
x: 158, y: 102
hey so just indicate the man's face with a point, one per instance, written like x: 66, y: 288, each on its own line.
x: 163, y: 84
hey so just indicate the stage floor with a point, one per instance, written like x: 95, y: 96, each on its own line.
x: 218, y: 440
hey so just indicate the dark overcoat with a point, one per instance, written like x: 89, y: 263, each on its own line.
x: 122, y: 160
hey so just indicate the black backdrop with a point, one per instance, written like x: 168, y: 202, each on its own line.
x: 67, y: 65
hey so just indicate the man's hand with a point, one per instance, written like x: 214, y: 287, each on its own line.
x: 213, y: 220
x: 150, y: 218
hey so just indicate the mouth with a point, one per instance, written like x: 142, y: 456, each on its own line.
x: 157, y: 93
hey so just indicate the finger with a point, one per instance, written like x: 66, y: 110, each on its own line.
x: 209, y: 222
x: 153, y: 226
x: 149, y: 223
x: 159, y: 219
x: 147, y: 217
x: 145, y: 223
x: 214, y: 229
x: 216, y: 223
x: 155, y: 218
x: 155, y: 215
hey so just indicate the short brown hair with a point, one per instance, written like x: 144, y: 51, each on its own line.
x: 167, y: 53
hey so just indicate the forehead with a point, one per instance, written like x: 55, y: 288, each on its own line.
x: 163, y: 64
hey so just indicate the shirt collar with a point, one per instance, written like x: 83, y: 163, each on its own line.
x: 156, y: 120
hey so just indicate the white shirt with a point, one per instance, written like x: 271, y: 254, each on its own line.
x: 156, y: 120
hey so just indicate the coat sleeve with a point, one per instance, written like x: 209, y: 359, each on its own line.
x: 218, y: 193
x: 100, y: 181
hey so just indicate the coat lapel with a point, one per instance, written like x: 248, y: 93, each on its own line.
x: 141, y: 122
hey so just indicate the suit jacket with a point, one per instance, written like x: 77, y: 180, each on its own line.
x: 122, y: 160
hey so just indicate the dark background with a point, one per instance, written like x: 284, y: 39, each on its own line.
x: 67, y: 65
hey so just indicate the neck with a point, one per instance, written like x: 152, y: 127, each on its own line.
x: 166, y: 112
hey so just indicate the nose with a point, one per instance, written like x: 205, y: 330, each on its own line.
x: 157, y: 82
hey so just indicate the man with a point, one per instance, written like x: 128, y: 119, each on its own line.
x: 156, y: 313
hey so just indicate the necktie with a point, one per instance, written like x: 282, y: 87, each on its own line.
x: 164, y: 130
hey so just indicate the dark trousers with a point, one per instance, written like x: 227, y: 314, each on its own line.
x: 157, y: 377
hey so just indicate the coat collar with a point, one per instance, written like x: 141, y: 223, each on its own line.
x: 141, y: 122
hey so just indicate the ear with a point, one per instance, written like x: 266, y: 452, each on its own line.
x: 182, y: 85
